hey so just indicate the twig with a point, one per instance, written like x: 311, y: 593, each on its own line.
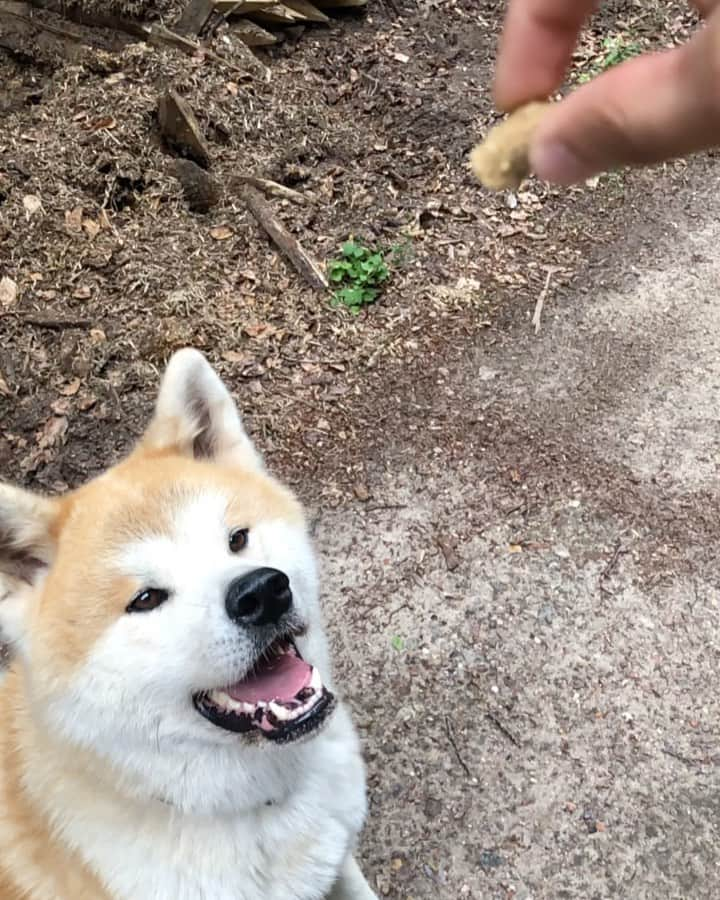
x: 491, y: 717
x: 683, y: 759
x: 453, y: 744
x: 158, y: 35
x: 541, y: 301
x: 609, y: 568
x: 273, y: 189
x: 39, y: 24
x: 53, y: 324
x: 385, y: 506
x: 613, y: 561
x: 290, y: 247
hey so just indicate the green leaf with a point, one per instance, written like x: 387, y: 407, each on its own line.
x: 352, y: 296
x: 397, y: 643
x: 338, y: 271
x: 351, y: 250
x: 361, y: 271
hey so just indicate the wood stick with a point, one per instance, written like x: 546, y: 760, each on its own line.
x: 251, y: 34
x: 541, y: 302
x: 158, y: 36
x: 277, y: 15
x: 308, y: 10
x: 273, y: 189
x: 55, y: 324
x: 21, y: 14
x: 180, y: 128
x: 309, y: 268
x: 340, y: 4
x: 229, y: 8
x: 195, y: 17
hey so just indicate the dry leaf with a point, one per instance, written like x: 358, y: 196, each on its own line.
x: 232, y: 356
x: 4, y: 389
x: 515, y: 548
x: 32, y: 204
x: 108, y: 123
x: 60, y: 407
x: 97, y: 336
x: 8, y: 292
x: 70, y: 389
x: 74, y: 220
x: 91, y: 228
x: 221, y: 233
x: 401, y: 57
x: 53, y: 431
x: 261, y: 329
x: 82, y: 293
x: 87, y: 402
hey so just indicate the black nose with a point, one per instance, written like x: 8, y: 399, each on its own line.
x: 261, y: 597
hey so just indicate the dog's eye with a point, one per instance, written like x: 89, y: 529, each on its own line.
x: 148, y: 600
x: 238, y: 540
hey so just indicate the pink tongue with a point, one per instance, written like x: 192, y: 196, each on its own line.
x: 280, y: 679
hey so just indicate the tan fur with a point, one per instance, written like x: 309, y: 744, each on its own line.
x: 32, y: 864
x: 136, y: 498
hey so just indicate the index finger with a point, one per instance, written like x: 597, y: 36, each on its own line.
x: 538, y: 40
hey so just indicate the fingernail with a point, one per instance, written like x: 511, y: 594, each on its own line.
x: 555, y: 162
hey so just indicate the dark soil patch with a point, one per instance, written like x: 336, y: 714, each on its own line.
x: 373, y: 119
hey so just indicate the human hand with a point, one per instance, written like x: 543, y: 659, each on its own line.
x: 648, y: 109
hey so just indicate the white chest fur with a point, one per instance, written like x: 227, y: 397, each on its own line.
x: 290, y: 848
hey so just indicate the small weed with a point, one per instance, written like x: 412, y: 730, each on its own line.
x: 359, y: 274
x: 615, y: 50
x: 398, y: 643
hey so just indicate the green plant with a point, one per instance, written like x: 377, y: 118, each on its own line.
x: 615, y: 50
x: 398, y: 643
x: 359, y: 275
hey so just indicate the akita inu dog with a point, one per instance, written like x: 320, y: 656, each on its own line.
x: 169, y: 729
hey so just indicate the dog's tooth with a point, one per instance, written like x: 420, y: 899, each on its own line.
x: 226, y: 702
x: 280, y: 712
x: 315, y: 681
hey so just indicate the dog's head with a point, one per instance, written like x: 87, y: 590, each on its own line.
x: 174, y: 597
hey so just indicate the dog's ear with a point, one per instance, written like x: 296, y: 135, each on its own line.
x: 27, y: 533
x: 196, y: 416
x: 28, y: 537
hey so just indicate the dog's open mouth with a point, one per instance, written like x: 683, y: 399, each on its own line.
x: 283, y: 697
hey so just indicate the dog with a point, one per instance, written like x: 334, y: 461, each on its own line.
x: 170, y: 728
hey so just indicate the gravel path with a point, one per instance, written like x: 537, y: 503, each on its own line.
x: 527, y: 617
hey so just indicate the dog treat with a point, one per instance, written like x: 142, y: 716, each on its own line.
x: 501, y: 161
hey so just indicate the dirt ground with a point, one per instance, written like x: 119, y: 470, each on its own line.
x: 519, y: 531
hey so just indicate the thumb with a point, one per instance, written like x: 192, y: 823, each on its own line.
x: 646, y: 110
